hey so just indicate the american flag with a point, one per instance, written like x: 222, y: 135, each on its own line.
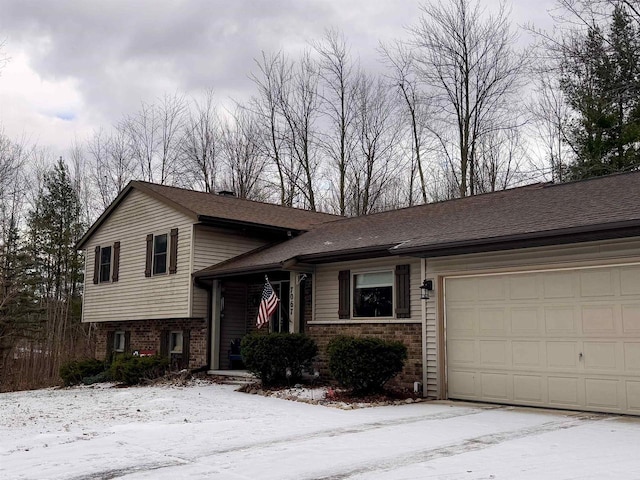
x: 268, y: 305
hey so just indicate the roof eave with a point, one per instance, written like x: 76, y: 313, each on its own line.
x: 539, y: 239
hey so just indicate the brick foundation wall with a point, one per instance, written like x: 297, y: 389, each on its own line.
x: 145, y: 335
x: 409, y: 334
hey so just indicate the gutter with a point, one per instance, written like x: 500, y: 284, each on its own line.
x: 524, y: 240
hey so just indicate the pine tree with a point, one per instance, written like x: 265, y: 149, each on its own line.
x: 600, y: 78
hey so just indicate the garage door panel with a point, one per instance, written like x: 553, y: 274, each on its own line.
x: 630, y: 280
x: 602, y: 393
x: 559, y: 285
x: 631, y: 319
x: 493, y: 353
x: 523, y: 287
x: 462, y: 384
x: 560, y: 320
x: 600, y: 356
x: 491, y: 321
x: 528, y: 388
x: 632, y: 357
x: 562, y: 355
x: 461, y: 352
x: 564, y: 391
x: 495, y: 386
x: 525, y: 320
x: 527, y: 354
x: 632, y: 391
x: 567, y: 339
x: 462, y: 321
x: 596, y: 282
x: 599, y: 320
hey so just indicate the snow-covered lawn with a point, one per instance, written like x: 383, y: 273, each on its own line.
x: 209, y: 431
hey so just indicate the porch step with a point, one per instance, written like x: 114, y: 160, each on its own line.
x: 233, y: 377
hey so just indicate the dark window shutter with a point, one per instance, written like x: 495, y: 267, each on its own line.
x: 149, y: 260
x: 116, y: 262
x: 344, y: 293
x: 164, y: 343
x: 111, y: 336
x: 403, y: 292
x: 96, y: 265
x: 127, y: 342
x: 173, y: 251
x: 186, y: 342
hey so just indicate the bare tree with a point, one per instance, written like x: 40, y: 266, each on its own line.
x: 339, y: 75
x: 467, y: 60
x: 155, y: 138
x: 241, y: 138
x: 299, y: 105
x: 400, y: 58
x: 200, y: 143
x: 377, y: 133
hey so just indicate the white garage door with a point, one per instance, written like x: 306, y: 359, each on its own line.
x: 562, y: 339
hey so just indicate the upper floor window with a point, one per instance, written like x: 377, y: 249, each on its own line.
x: 160, y: 254
x: 105, y: 264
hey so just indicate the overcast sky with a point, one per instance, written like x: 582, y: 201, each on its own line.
x: 76, y: 65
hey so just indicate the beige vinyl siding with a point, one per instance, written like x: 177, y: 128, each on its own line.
x: 135, y: 296
x: 543, y: 258
x: 212, y: 246
x: 326, y: 287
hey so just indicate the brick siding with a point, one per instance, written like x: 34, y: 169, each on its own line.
x: 145, y: 335
x: 409, y: 334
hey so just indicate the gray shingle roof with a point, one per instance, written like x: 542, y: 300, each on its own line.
x: 202, y: 206
x: 536, y: 211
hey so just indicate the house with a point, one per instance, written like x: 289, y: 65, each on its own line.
x: 533, y: 293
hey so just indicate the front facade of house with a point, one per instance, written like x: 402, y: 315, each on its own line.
x: 534, y: 300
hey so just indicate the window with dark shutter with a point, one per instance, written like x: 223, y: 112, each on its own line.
x: 403, y: 292
x: 160, y: 254
x: 105, y: 264
x: 344, y: 293
x: 149, y: 257
x: 116, y: 262
x: 96, y: 265
x: 173, y: 249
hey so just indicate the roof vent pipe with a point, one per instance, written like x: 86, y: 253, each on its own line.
x: 227, y: 193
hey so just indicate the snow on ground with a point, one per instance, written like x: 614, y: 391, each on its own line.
x: 210, y: 431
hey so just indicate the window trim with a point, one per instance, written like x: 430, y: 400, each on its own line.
x: 102, y: 265
x: 116, y: 335
x: 352, y: 292
x: 154, y: 254
x: 179, y: 335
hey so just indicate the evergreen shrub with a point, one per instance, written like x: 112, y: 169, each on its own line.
x: 269, y: 356
x: 132, y: 370
x: 365, y: 364
x: 74, y: 372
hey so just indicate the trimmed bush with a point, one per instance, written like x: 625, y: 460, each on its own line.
x: 269, y: 356
x: 365, y: 364
x: 133, y: 370
x: 74, y: 373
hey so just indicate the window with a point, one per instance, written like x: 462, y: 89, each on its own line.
x: 175, y: 342
x: 105, y: 264
x: 373, y: 294
x: 160, y: 254
x: 119, y: 342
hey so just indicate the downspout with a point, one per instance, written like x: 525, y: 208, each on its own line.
x: 423, y: 274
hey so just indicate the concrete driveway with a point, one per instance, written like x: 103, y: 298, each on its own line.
x: 213, y: 432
